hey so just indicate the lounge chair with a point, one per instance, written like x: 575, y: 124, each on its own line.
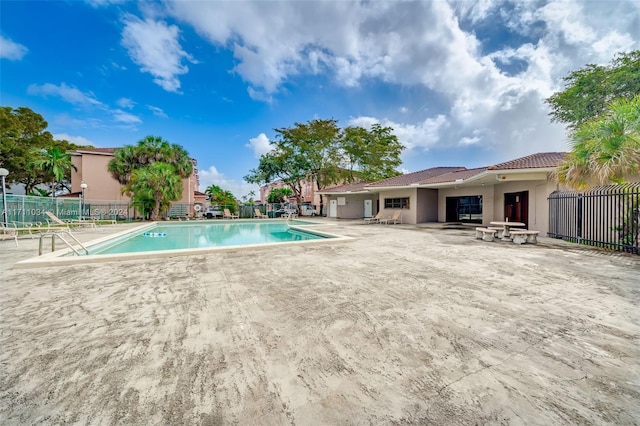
x: 9, y: 234
x: 228, y: 215
x: 55, y: 219
x: 395, y: 218
x: 259, y: 214
x: 33, y: 228
x: 374, y: 219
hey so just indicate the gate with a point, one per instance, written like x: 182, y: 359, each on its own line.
x: 606, y: 216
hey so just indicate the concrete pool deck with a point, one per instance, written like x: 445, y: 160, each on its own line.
x: 403, y: 324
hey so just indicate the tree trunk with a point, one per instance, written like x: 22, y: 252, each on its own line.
x: 321, y: 197
x: 155, y: 213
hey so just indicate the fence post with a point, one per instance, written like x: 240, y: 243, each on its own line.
x: 579, y: 213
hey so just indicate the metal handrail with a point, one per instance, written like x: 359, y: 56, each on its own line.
x: 58, y: 233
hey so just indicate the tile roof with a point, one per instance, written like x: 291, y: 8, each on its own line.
x: 98, y: 150
x: 535, y: 161
x: 350, y: 187
x: 415, y: 177
x: 111, y: 151
x: 453, y: 176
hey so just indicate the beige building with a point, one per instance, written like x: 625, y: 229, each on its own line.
x: 92, y: 169
x: 516, y: 190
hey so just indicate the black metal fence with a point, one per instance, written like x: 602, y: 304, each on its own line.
x: 606, y: 216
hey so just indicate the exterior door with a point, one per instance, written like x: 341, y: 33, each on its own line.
x: 368, y: 204
x: 516, y: 207
x: 333, y: 208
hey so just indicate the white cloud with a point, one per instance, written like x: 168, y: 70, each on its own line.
x: 421, y: 136
x: 67, y: 93
x: 259, y: 95
x: 212, y: 176
x: 100, y: 3
x: 125, y: 103
x: 155, y: 47
x: 11, y: 50
x: 90, y: 104
x: 490, y: 92
x: 260, y: 145
x: 120, y: 116
x: 157, y: 111
x: 78, y: 140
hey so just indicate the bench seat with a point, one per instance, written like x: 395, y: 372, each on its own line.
x: 486, y: 234
x: 524, y: 236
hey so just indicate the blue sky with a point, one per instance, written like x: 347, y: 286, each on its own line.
x: 462, y: 83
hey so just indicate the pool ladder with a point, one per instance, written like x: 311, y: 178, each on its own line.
x: 54, y: 234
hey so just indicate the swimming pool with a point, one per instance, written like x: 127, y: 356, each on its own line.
x: 183, y: 239
x: 183, y: 235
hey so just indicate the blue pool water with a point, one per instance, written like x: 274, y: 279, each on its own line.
x: 204, y: 235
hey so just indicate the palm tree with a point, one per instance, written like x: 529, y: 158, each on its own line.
x: 149, y: 150
x: 55, y: 162
x: 605, y: 149
x: 124, y: 162
x: 222, y: 197
x: 156, y: 186
x: 151, y: 172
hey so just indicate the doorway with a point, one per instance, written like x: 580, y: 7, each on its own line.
x: 464, y: 209
x: 516, y: 207
x: 368, y: 208
x: 333, y: 208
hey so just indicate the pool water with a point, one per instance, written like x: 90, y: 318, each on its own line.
x: 205, y: 235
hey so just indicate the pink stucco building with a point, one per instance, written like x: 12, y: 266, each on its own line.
x: 92, y: 169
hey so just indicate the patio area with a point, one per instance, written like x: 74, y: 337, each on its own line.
x: 403, y: 324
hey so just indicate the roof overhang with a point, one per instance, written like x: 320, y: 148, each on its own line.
x: 388, y: 188
x: 487, y: 177
x: 343, y: 192
x: 85, y: 152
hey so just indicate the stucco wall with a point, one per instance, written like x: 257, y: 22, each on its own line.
x: 354, y: 205
x: 538, y: 204
x: 408, y: 215
x: 427, y: 205
x: 493, y: 201
x: 487, y: 193
x: 93, y: 170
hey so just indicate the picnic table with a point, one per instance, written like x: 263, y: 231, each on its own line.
x: 506, y: 225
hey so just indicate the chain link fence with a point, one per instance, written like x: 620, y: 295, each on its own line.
x: 30, y: 209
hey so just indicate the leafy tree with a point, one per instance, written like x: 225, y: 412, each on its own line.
x: 56, y: 163
x: 606, y: 149
x: 597, y: 104
x: 285, y: 163
x: 318, y: 148
x: 222, y: 197
x: 249, y: 198
x: 372, y: 155
x: 589, y: 90
x: 320, y: 151
x: 279, y: 195
x: 23, y: 138
x: 151, y: 173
